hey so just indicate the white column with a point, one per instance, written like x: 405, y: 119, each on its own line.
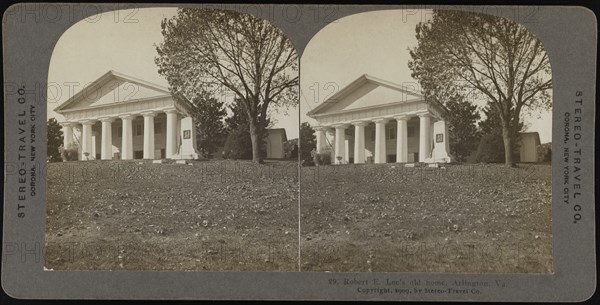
x: 106, y: 146
x: 330, y: 133
x: 380, y: 154
x: 402, y: 139
x: 347, y: 147
x: 93, y: 152
x: 340, y: 142
x: 359, y: 142
x: 67, y: 134
x: 149, y: 134
x: 127, y: 137
x: 86, y: 140
x: 171, y: 148
x: 320, y: 130
x: 424, y: 136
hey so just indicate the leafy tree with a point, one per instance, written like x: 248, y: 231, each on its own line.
x: 210, y: 49
x: 239, y: 118
x: 308, y: 142
x: 544, y: 152
x: 238, y: 144
x: 459, y: 52
x: 208, y: 117
x: 290, y: 149
x: 55, y: 140
x: 463, y: 134
x: 491, y: 146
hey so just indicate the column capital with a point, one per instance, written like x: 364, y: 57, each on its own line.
x: 67, y: 124
x: 425, y: 115
x: 127, y: 116
x: 402, y: 117
x: 87, y: 122
x: 320, y: 128
x: 171, y: 110
x: 360, y: 123
x: 149, y: 114
x: 340, y: 126
x: 381, y: 120
x: 107, y: 119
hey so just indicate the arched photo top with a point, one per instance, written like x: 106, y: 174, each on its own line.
x: 191, y: 54
x: 491, y: 62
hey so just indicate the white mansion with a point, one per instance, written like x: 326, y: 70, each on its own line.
x: 121, y: 117
x: 373, y: 119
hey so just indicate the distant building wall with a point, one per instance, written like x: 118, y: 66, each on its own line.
x: 275, y: 139
x: 528, y: 147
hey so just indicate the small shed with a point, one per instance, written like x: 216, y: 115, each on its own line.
x: 275, y: 139
x: 530, y: 141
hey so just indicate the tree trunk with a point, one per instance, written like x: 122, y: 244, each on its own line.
x: 255, y: 137
x: 507, y: 137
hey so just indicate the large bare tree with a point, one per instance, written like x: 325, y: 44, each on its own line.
x: 461, y: 52
x: 226, y: 51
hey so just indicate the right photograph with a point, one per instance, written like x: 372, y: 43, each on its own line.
x: 426, y: 145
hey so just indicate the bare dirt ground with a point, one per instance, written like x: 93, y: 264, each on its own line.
x: 240, y: 216
x: 461, y: 218
x: 210, y: 215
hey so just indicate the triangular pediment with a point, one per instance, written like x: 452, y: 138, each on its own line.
x: 366, y: 91
x: 111, y: 88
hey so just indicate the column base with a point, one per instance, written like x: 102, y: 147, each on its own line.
x: 189, y: 155
x: 439, y: 159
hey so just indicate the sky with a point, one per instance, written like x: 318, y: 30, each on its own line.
x: 376, y: 43
x: 122, y: 41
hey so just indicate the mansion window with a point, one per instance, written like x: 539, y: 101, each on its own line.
x: 391, y: 133
x: 139, y: 129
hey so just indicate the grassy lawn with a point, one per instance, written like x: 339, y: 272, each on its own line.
x: 461, y: 218
x: 211, y: 215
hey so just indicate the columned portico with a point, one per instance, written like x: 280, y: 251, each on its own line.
x: 127, y: 137
x: 380, y: 149
x: 401, y: 139
x: 424, y: 136
x: 166, y: 131
x: 390, y: 123
x: 340, y: 143
x: 149, y: 134
x: 359, y: 142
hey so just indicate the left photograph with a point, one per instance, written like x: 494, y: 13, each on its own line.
x: 173, y: 143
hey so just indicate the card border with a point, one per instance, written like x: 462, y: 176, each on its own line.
x: 27, y: 51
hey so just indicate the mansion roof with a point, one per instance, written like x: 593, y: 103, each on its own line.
x: 115, y: 93
x: 369, y: 97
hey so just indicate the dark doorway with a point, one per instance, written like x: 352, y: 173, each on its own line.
x: 390, y: 159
